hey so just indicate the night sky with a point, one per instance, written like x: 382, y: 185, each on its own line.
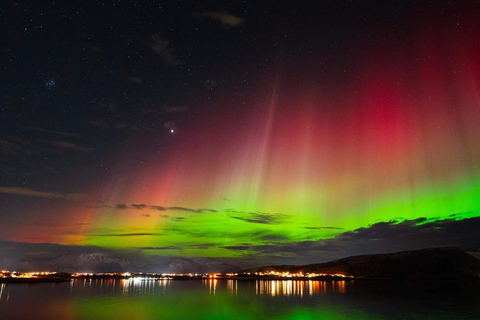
x: 249, y: 132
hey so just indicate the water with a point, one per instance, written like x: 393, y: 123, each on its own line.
x: 231, y: 299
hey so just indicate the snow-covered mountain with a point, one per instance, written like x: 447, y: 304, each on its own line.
x: 185, y: 265
x: 92, y: 262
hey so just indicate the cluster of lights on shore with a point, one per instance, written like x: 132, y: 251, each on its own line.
x: 153, y: 276
x: 26, y: 275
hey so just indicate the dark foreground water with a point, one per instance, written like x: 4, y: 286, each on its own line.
x: 230, y: 299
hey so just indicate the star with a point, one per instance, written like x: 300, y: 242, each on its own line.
x: 50, y: 83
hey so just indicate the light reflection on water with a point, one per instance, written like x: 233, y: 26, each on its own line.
x: 262, y: 287
x: 106, y: 299
x: 297, y: 287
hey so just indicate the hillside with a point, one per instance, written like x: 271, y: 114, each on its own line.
x: 435, y: 263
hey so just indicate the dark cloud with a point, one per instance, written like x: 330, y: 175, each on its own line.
x: 182, y: 209
x: 274, y: 237
x: 179, y: 218
x: 140, y: 234
x: 380, y: 237
x: 262, y: 218
x: 66, y: 145
x: 323, y: 228
x: 121, y: 206
x: 159, y: 208
x: 139, y: 206
x: 162, y: 47
x: 201, y: 245
x: 20, y: 191
x: 161, y: 248
x: 237, y: 248
x: 225, y: 18
x: 191, y: 210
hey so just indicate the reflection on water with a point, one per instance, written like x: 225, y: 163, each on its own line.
x: 298, y: 287
x: 2, y: 287
x: 140, y: 298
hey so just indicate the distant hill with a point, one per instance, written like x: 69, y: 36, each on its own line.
x: 435, y: 263
x: 474, y: 252
x: 92, y: 262
x: 185, y: 265
x: 101, y: 262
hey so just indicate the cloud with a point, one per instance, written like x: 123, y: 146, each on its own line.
x: 135, y: 79
x: 58, y: 133
x: 139, y: 234
x: 167, y: 109
x: 161, y: 248
x: 66, y: 145
x: 175, y: 109
x: 121, y: 126
x: 191, y: 210
x: 99, y: 124
x: 139, y: 206
x: 20, y: 191
x: 94, y: 49
x: 237, y: 248
x: 225, y: 18
x: 17, y: 147
x: 323, y: 228
x: 142, y: 206
x: 162, y: 47
x: 262, y: 218
x: 274, y: 237
x: 392, y: 236
x: 169, y: 124
x: 159, y: 208
x: 146, y: 215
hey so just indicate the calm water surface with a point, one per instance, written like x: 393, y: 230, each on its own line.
x: 231, y: 299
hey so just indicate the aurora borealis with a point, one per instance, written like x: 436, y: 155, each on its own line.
x: 241, y: 132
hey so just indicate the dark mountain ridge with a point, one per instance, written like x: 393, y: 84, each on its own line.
x: 433, y: 263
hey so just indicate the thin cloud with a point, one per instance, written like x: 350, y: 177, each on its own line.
x: 225, y: 18
x: 140, y: 234
x: 121, y: 206
x: 262, y: 218
x: 135, y: 79
x: 380, y: 237
x: 20, y: 191
x: 159, y: 208
x: 120, y: 126
x: 323, y: 228
x: 175, y: 109
x: 162, y: 47
x: 99, y: 124
x: 58, y: 133
x: 139, y: 206
x: 161, y: 248
x: 94, y: 49
x: 66, y: 145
